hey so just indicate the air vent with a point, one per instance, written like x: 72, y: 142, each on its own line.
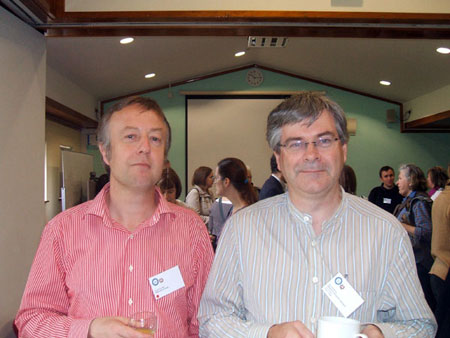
x: 266, y: 42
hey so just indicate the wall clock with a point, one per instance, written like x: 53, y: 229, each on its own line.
x: 254, y: 77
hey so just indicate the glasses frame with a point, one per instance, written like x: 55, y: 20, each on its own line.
x: 304, y: 145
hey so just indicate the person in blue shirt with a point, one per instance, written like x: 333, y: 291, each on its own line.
x: 414, y: 213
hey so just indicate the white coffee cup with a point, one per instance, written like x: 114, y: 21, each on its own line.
x: 339, y: 327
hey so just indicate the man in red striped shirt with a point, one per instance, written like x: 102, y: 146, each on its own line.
x: 126, y: 251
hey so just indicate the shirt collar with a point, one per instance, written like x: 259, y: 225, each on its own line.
x: 412, y: 194
x: 307, y: 218
x: 99, y: 207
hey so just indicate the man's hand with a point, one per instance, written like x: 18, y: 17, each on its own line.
x: 373, y: 332
x: 113, y: 327
x: 290, y: 330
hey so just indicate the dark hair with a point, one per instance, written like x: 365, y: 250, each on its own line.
x: 236, y: 171
x: 200, y: 176
x: 305, y: 107
x: 438, y: 176
x: 169, y: 180
x: 385, y: 168
x: 273, y: 165
x: 415, y: 177
x: 101, y: 182
x: 103, y: 134
x: 348, y: 179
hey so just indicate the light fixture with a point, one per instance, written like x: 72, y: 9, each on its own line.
x: 239, y: 54
x: 124, y: 41
x: 385, y: 83
x: 150, y: 75
x: 443, y: 50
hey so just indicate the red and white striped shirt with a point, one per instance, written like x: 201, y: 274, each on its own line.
x: 88, y: 266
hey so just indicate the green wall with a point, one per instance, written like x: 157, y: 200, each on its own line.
x: 375, y: 144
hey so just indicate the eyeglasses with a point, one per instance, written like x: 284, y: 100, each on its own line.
x: 297, y: 146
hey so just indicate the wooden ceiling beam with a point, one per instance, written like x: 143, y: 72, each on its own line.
x: 288, y: 31
x: 60, y: 113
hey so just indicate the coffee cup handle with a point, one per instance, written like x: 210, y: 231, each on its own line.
x: 360, y: 335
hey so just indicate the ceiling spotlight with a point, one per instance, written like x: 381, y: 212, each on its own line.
x: 149, y: 76
x: 239, y: 54
x: 443, y: 50
x: 385, y: 83
x: 124, y: 41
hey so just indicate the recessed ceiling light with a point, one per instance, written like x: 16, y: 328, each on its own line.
x: 443, y: 50
x: 150, y: 75
x: 385, y: 83
x: 124, y: 41
x: 239, y: 54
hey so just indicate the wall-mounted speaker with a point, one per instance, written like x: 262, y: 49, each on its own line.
x: 391, y: 116
x: 351, y: 126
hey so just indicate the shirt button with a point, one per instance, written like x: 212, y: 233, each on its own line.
x: 130, y: 302
x: 131, y: 236
x: 306, y: 218
x: 315, y: 280
x: 130, y: 268
x: 313, y: 243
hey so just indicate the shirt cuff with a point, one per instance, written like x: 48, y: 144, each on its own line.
x: 79, y: 328
x: 259, y: 330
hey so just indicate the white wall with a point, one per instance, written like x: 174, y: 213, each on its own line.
x: 429, y: 104
x: 22, y: 115
x: 68, y: 93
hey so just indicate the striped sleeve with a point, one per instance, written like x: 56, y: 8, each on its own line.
x: 222, y: 310
x: 402, y: 308
x: 43, y: 312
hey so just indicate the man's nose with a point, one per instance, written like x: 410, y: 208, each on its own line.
x: 144, y: 145
x: 311, y: 152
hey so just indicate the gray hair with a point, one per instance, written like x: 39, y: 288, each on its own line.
x: 415, y: 177
x: 103, y: 133
x: 307, y: 107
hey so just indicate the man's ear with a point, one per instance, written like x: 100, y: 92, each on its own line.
x: 104, y: 153
x: 277, y: 157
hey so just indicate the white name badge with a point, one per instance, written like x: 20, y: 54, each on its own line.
x: 387, y: 200
x: 166, y: 282
x: 343, y: 295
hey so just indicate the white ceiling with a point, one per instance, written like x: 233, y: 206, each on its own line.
x: 107, y: 69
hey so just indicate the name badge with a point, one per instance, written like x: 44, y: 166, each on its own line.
x: 166, y: 282
x: 387, y: 200
x: 342, y: 295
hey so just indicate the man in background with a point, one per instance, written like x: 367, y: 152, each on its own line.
x: 126, y: 251
x: 276, y: 258
x: 274, y: 185
x: 386, y: 196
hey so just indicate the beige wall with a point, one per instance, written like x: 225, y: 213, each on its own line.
x: 56, y: 135
x: 429, y: 104
x: 68, y: 93
x: 22, y: 97
x: 406, y: 6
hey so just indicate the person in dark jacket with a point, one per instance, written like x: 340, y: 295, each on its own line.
x: 274, y: 185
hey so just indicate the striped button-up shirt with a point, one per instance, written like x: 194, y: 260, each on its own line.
x: 270, y: 268
x: 87, y: 266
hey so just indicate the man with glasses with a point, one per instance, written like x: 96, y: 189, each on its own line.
x: 285, y: 262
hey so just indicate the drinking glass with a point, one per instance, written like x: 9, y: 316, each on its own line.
x: 145, y: 322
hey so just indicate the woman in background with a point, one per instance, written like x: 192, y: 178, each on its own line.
x: 348, y: 180
x: 170, y: 187
x: 200, y: 198
x: 436, y: 180
x: 440, y: 271
x: 414, y: 213
x: 232, y: 182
